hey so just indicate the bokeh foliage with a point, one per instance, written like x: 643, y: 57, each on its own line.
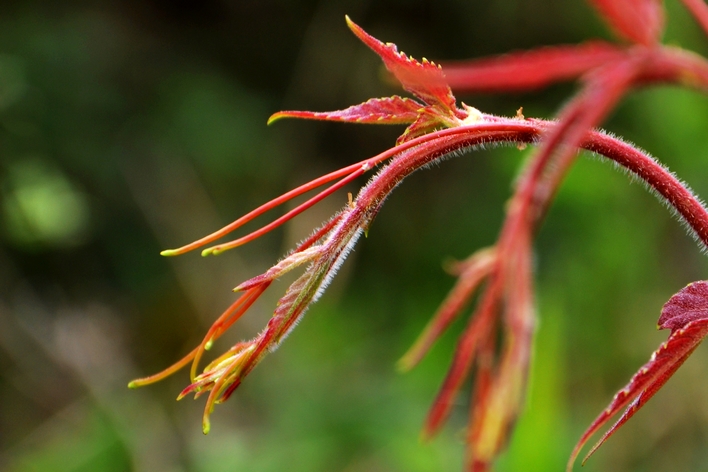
x: 130, y: 127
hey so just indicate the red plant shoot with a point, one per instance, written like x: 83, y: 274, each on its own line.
x: 505, y: 310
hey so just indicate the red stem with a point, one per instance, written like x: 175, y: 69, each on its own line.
x: 286, y: 217
x: 264, y: 208
x: 443, y: 142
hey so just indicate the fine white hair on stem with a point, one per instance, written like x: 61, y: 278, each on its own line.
x: 336, y: 244
x: 336, y: 264
x: 635, y: 177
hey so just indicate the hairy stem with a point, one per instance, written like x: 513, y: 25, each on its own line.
x: 441, y: 143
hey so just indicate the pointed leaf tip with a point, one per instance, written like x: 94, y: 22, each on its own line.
x: 425, y: 79
x: 388, y: 110
x: 274, y: 117
x: 352, y: 26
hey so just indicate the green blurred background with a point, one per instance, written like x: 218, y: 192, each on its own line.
x: 127, y: 127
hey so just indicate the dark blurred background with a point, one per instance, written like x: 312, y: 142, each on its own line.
x: 134, y: 126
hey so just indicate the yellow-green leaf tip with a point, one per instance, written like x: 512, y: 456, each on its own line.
x: 404, y: 364
x: 133, y: 384
x: 356, y: 29
x: 208, y: 344
x: 276, y: 117
x: 169, y: 252
x: 424, y: 436
x: 206, y: 426
x: 210, y: 251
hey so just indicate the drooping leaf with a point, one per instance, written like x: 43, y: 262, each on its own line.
x: 493, y: 423
x: 603, y: 89
x: 425, y: 79
x: 389, y: 110
x: 639, y: 21
x: 686, y: 314
x: 479, y: 404
x: 478, y: 329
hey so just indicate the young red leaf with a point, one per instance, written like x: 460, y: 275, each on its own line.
x: 479, y: 404
x: 639, y: 21
x: 493, y: 423
x: 686, y: 314
x: 425, y: 80
x: 529, y: 70
x: 389, y: 110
